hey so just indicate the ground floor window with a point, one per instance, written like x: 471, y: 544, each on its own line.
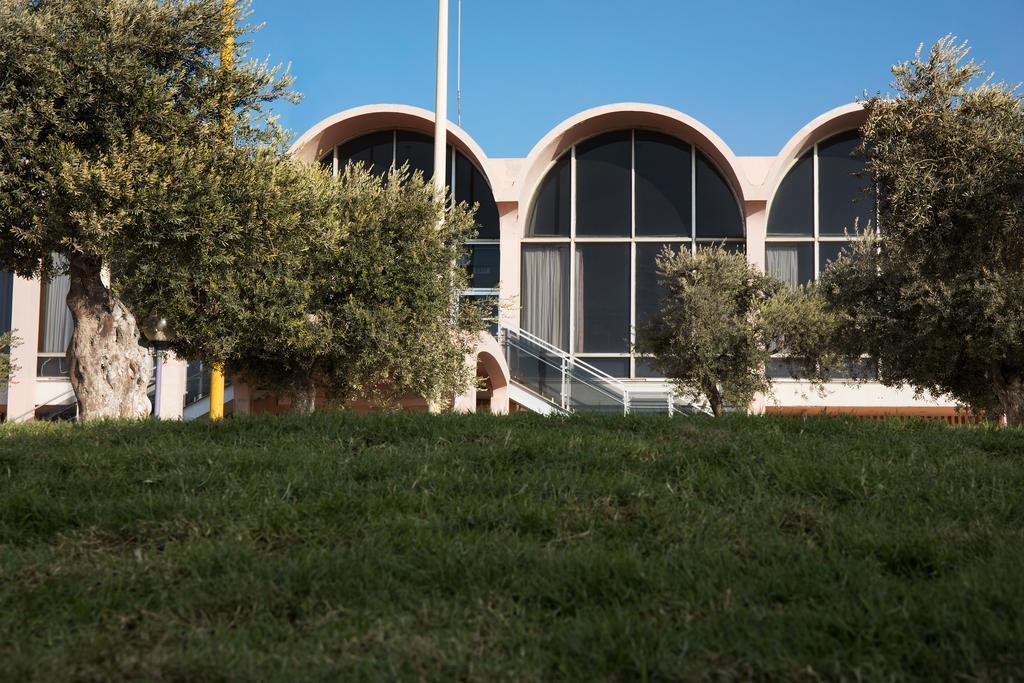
x: 55, y: 328
x: 587, y: 297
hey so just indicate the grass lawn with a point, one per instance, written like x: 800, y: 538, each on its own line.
x: 449, y: 548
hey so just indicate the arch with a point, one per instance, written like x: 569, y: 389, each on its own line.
x: 358, y: 122
x: 489, y: 368
x: 812, y: 214
x: 487, y: 360
x: 351, y: 123
x: 622, y: 116
x: 843, y: 118
x: 590, y: 242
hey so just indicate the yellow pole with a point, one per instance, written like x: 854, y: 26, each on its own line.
x: 227, y: 62
x: 217, y: 392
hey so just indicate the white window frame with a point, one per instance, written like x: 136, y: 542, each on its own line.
x: 817, y: 239
x: 572, y: 240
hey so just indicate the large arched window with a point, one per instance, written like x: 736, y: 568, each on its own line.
x: 384, y: 150
x: 820, y: 207
x: 599, y: 218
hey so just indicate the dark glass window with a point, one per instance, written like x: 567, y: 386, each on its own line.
x: 604, y: 185
x: 842, y: 200
x: 791, y: 262
x: 376, y: 151
x: 830, y: 251
x: 663, y: 185
x: 551, y: 212
x: 483, y: 264
x: 864, y: 369
x: 792, y: 212
x: 783, y: 368
x: 197, y: 382
x: 417, y: 150
x: 472, y: 188
x: 718, y: 212
x: 648, y: 288
x: 616, y: 367
x: 6, y: 301
x: 645, y: 370
x: 52, y: 366
x: 602, y: 299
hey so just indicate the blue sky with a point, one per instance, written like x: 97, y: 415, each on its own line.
x: 755, y: 71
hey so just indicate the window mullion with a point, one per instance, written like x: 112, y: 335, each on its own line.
x: 632, y: 253
x: 572, y: 251
x: 817, y: 216
x: 693, y: 199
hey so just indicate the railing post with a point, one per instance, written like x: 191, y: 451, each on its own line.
x: 625, y: 402
x: 565, y: 382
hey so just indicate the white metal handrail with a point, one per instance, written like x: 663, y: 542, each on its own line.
x: 571, y: 370
x: 563, y: 368
x: 576, y: 362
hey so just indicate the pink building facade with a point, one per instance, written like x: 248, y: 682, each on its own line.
x: 565, y: 252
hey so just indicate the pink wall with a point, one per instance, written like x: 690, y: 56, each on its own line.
x: 21, y: 394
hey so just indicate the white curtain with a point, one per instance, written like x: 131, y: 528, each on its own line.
x: 58, y: 325
x: 545, y: 289
x: 784, y: 263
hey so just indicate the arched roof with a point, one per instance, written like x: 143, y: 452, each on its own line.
x: 621, y: 116
x: 520, y: 181
x: 846, y: 117
x: 351, y: 123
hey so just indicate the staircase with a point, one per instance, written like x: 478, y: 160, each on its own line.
x: 547, y: 380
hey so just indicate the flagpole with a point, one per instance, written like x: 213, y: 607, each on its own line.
x: 458, y: 69
x: 227, y: 63
x: 441, y: 101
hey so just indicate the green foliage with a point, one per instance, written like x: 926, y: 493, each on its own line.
x: 478, y: 548
x: 720, y: 321
x: 345, y: 282
x: 384, y: 309
x: 226, y: 238
x: 7, y: 369
x: 936, y: 294
x: 111, y: 115
x: 96, y: 92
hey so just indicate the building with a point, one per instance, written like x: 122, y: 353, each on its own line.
x: 565, y: 253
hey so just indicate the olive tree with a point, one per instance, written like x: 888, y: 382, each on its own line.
x: 936, y: 294
x: 102, y: 105
x: 378, y: 297
x: 345, y: 283
x: 721, y: 319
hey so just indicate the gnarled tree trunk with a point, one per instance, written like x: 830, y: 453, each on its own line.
x: 303, y: 393
x: 1010, y: 392
x: 714, y: 398
x: 108, y: 366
